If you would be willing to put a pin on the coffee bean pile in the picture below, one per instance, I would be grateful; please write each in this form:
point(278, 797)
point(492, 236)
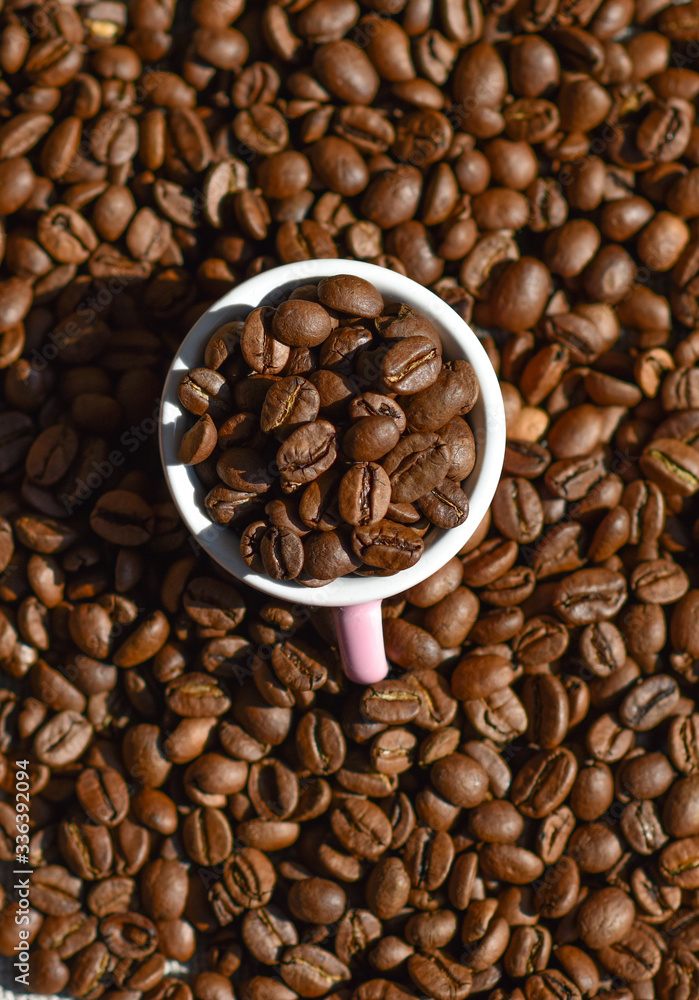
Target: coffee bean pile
point(514, 812)
point(374, 470)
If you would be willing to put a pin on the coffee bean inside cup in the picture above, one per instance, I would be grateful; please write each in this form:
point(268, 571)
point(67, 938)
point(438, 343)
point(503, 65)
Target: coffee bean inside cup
point(338, 425)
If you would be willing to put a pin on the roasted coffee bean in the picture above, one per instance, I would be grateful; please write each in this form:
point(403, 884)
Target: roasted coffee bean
point(129, 935)
point(648, 704)
point(546, 704)
point(517, 510)
point(196, 695)
point(646, 776)
point(446, 505)
point(479, 676)
point(388, 887)
point(281, 551)
point(249, 878)
point(261, 350)
point(328, 554)
point(642, 827)
point(57, 891)
point(543, 784)
point(595, 847)
point(551, 983)
point(122, 517)
point(203, 391)
point(62, 739)
point(407, 367)
point(387, 545)
point(370, 438)
point(557, 892)
point(682, 743)
point(306, 453)
point(364, 494)
point(542, 681)
point(300, 323)
point(460, 779)
point(362, 828)
point(47, 973)
point(199, 442)
point(589, 596)
point(317, 900)
point(87, 848)
point(310, 970)
point(320, 742)
point(636, 954)
point(416, 465)
point(437, 974)
point(669, 464)
point(605, 917)
point(289, 402)
point(348, 294)
point(103, 795)
point(163, 887)
point(509, 863)
point(207, 836)
point(390, 702)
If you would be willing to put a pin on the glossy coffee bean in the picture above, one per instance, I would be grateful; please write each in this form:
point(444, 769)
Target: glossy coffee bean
point(512, 811)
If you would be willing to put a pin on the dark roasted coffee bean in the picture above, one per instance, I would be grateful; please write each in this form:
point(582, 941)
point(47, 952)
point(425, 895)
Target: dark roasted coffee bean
point(362, 828)
point(535, 168)
point(370, 438)
point(440, 976)
point(682, 743)
point(320, 742)
point(446, 505)
point(306, 453)
point(417, 464)
point(249, 878)
point(364, 494)
point(199, 442)
point(311, 970)
point(454, 392)
point(510, 863)
point(281, 551)
point(543, 784)
point(329, 554)
point(642, 828)
point(589, 596)
point(122, 517)
point(460, 779)
point(62, 739)
point(648, 704)
point(351, 295)
point(301, 323)
point(289, 402)
point(207, 836)
point(261, 350)
point(387, 545)
point(204, 391)
point(410, 365)
point(546, 703)
point(103, 795)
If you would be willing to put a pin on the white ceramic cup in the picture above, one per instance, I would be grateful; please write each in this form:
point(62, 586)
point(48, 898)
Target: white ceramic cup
point(356, 600)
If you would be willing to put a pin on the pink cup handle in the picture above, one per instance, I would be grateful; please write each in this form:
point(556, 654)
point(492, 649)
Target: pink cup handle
point(360, 636)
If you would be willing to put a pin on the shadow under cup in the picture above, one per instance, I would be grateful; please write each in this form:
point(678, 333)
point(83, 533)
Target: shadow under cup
point(359, 631)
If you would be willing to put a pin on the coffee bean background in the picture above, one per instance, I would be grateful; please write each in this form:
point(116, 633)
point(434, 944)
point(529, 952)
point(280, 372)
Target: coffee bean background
point(514, 812)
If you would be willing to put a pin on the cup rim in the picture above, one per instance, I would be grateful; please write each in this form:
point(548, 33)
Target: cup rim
point(221, 542)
